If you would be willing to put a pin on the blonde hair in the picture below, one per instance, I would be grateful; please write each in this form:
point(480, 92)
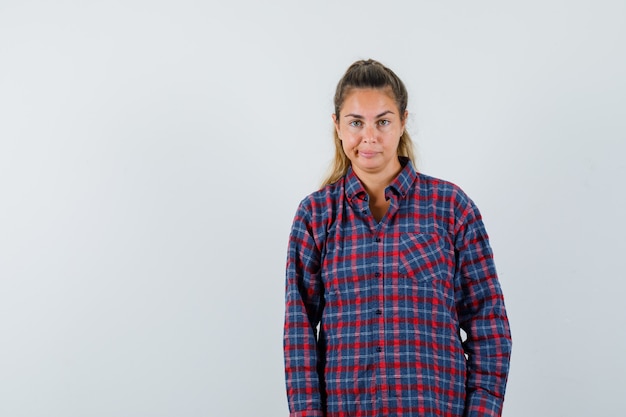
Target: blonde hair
point(367, 74)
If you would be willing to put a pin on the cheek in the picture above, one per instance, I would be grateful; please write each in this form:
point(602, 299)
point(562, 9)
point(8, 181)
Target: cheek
point(347, 145)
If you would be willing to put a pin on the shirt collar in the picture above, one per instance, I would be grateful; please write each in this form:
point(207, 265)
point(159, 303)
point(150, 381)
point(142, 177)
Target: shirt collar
point(405, 179)
point(400, 185)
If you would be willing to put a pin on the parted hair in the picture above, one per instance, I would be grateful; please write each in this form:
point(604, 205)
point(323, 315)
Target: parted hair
point(367, 74)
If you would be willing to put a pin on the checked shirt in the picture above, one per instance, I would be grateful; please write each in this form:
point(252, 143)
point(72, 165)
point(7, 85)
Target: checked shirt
point(374, 309)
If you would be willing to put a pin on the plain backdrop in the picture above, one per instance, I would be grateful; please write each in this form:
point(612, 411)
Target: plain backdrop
point(153, 153)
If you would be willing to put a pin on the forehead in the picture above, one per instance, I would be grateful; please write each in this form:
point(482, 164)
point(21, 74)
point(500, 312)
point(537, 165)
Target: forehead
point(374, 99)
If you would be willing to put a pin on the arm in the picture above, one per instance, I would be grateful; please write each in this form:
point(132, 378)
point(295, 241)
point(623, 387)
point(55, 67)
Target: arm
point(482, 315)
point(303, 307)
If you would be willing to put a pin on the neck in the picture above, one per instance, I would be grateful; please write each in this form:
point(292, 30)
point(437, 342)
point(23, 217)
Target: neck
point(375, 183)
point(375, 187)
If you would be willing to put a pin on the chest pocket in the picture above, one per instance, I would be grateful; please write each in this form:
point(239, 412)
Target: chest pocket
point(424, 256)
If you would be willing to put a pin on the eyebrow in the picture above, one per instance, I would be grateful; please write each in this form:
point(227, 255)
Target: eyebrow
point(358, 116)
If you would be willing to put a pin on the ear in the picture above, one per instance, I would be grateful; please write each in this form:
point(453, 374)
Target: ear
point(336, 123)
point(404, 119)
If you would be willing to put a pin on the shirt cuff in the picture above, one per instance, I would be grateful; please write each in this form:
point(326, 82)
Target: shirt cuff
point(481, 404)
point(307, 413)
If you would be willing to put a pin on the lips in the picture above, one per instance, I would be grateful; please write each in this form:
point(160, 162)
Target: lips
point(367, 154)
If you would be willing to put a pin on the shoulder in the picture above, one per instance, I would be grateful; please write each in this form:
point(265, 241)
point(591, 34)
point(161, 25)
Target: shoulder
point(441, 190)
point(447, 198)
point(317, 212)
point(323, 201)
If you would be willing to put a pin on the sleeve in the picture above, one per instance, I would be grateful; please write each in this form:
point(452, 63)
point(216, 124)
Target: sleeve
point(303, 308)
point(482, 315)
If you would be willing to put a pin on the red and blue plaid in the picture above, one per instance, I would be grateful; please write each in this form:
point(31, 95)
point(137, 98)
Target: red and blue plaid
point(374, 310)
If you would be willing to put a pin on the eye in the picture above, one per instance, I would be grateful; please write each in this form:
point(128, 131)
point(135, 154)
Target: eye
point(356, 123)
point(384, 122)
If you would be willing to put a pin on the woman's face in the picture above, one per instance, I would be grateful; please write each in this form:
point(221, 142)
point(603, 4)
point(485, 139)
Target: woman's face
point(369, 127)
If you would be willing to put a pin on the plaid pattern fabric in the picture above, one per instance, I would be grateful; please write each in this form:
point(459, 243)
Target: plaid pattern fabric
point(374, 309)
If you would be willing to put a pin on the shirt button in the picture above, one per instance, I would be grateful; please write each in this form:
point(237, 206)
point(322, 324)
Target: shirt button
point(379, 312)
point(379, 349)
point(378, 239)
point(377, 274)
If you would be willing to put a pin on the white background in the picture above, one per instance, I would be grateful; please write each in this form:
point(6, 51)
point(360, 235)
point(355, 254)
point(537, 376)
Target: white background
point(153, 153)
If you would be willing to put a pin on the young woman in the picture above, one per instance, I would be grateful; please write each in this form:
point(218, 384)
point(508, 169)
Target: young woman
point(385, 267)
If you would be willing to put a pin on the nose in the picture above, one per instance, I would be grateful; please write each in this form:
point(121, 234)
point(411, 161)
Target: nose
point(369, 134)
